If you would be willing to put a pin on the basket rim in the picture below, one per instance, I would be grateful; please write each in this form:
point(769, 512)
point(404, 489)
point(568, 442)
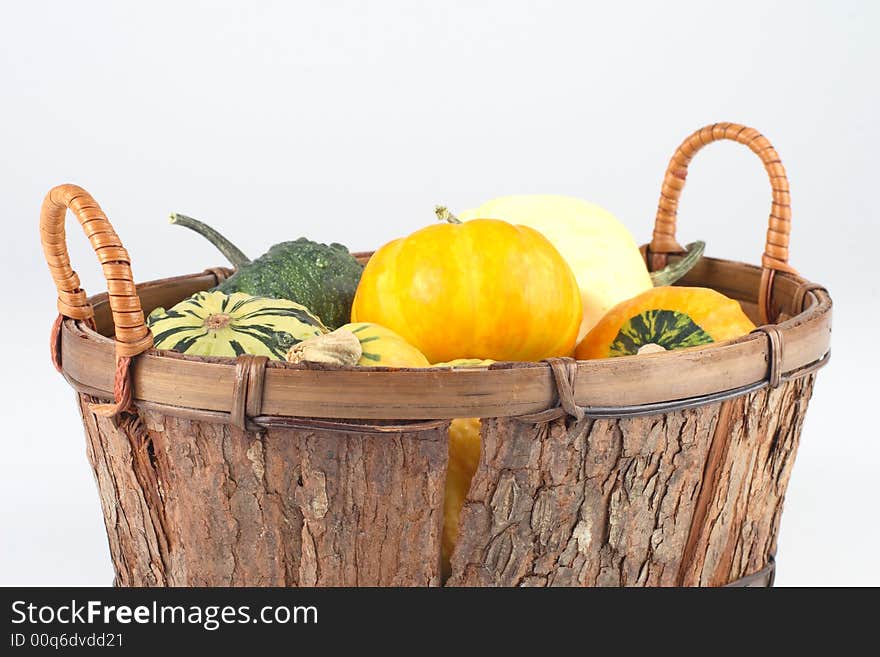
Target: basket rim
point(203, 386)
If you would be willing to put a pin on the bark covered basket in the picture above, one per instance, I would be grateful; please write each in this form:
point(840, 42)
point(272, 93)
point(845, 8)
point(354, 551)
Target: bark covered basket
point(660, 470)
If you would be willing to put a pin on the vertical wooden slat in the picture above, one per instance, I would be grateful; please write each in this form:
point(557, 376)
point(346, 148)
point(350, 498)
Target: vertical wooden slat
point(194, 503)
point(690, 497)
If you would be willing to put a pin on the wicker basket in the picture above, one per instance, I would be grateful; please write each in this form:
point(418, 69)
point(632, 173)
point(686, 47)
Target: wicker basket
point(657, 470)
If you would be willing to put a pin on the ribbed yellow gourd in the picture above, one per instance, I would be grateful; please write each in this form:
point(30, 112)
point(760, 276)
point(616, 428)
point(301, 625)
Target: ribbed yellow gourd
point(599, 249)
point(480, 289)
point(464, 457)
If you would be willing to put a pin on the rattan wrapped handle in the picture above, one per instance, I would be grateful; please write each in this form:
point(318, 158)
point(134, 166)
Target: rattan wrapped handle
point(775, 257)
point(132, 334)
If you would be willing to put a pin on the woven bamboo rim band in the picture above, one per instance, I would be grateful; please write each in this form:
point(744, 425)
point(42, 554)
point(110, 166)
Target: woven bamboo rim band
point(132, 335)
point(764, 578)
point(775, 256)
point(204, 388)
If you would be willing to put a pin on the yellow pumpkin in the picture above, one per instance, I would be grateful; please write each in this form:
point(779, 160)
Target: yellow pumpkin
point(464, 363)
point(663, 319)
point(600, 250)
point(382, 347)
point(481, 289)
point(464, 457)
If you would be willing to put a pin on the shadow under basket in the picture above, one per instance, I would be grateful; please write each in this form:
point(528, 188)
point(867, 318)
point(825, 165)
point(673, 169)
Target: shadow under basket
point(666, 469)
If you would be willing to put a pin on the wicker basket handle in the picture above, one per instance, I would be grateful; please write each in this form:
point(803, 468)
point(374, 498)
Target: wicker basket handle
point(775, 257)
point(132, 334)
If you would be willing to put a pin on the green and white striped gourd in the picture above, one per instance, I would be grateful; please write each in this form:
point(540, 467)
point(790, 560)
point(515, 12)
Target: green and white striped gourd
point(218, 324)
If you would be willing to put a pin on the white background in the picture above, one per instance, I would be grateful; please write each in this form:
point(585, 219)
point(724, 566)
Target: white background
point(348, 121)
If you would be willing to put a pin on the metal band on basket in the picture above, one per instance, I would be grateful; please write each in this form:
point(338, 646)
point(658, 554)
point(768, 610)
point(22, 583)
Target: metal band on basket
point(247, 398)
point(774, 353)
point(565, 371)
point(764, 578)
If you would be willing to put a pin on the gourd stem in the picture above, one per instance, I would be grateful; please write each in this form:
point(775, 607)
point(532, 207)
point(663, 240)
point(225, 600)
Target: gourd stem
point(233, 254)
point(674, 271)
point(443, 214)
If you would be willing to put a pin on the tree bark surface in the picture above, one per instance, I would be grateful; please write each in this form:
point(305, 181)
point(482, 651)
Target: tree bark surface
point(192, 503)
point(689, 497)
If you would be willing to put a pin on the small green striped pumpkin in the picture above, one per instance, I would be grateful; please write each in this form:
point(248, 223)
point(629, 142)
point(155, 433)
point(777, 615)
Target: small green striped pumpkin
point(663, 319)
point(218, 324)
point(668, 329)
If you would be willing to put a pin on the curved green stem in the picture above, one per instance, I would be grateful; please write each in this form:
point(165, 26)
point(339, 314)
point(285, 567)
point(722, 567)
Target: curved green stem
point(443, 214)
point(674, 271)
point(233, 253)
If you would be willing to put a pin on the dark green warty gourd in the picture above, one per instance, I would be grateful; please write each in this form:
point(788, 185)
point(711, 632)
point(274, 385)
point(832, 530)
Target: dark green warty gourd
point(321, 277)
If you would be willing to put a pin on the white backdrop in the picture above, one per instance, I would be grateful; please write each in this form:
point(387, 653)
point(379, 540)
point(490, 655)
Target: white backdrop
point(348, 121)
